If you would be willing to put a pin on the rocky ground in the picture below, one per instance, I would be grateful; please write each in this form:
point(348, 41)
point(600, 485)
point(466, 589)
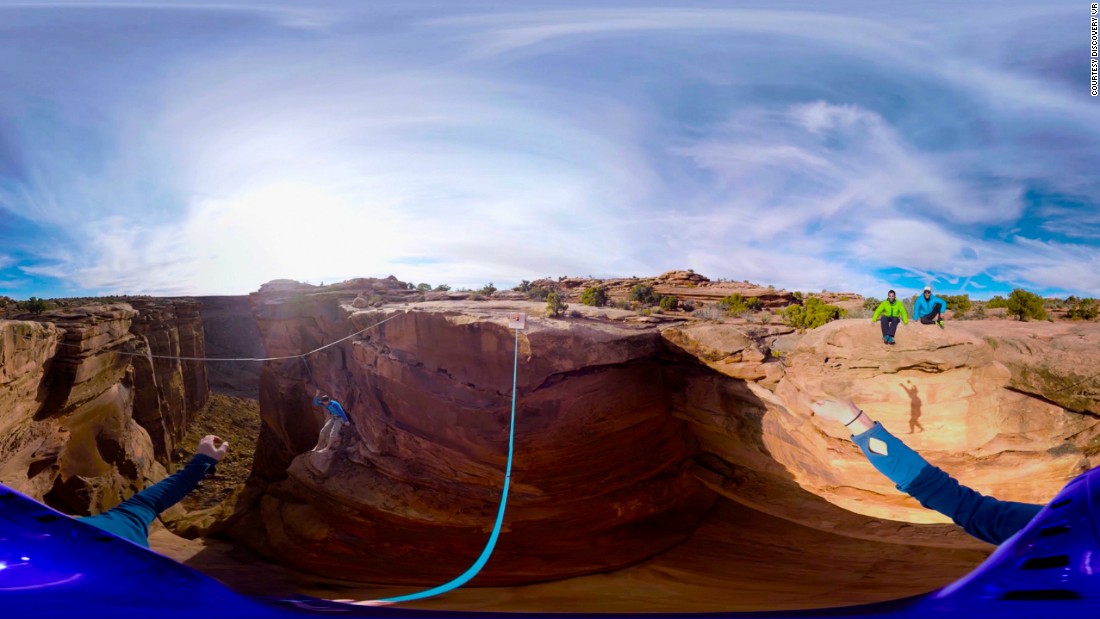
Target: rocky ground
point(237, 420)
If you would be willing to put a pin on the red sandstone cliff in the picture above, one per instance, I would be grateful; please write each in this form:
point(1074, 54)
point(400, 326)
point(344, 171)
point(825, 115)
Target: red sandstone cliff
point(628, 432)
point(88, 418)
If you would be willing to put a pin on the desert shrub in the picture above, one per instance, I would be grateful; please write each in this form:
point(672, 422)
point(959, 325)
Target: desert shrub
point(442, 288)
point(996, 301)
point(979, 314)
point(554, 305)
point(33, 305)
point(644, 311)
point(575, 314)
point(523, 286)
point(1026, 305)
point(734, 304)
point(594, 296)
point(959, 303)
point(669, 303)
point(424, 287)
point(811, 315)
point(871, 304)
point(754, 304)
point(538, 293)
point(488, 289)
point(1081, 309)
point(644, 294)
point(710, 311)
point(766, 318)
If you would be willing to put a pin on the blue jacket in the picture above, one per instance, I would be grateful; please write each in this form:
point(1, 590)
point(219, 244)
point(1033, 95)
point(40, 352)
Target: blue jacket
point(334, 409)
point(986, 518)
point(923, 308)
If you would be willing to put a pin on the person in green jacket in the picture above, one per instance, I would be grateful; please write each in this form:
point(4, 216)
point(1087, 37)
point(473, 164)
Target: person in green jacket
point(892, 312)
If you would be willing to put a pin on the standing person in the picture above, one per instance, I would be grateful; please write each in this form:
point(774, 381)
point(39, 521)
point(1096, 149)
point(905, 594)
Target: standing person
point(929, 309)
point(336, 420)
point(986, 518)
point(130, 519)
point(892, 312)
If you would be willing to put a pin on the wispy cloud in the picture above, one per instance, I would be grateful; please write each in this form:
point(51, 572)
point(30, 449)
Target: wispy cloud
point(220, 145)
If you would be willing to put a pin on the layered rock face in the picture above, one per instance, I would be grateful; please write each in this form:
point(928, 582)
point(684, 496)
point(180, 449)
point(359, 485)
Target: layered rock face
point(601, 475)
point(627, 434)
point(169, 390)
point(963, 397)
point(93, 417)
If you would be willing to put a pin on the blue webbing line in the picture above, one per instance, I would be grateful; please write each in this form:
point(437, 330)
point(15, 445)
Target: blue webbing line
point(480, 563)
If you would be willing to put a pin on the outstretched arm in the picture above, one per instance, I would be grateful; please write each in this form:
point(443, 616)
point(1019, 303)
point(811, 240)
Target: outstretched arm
point(985, 518)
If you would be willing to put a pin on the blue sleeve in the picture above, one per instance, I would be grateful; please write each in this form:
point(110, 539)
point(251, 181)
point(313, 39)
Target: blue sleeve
point(317, 401)
point(985, 518)
point(943, 304)
point(901, 465)
point(170, 490)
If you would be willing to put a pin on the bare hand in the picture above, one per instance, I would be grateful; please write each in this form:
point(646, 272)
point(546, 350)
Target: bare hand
point(213, 446)
point(836, 410)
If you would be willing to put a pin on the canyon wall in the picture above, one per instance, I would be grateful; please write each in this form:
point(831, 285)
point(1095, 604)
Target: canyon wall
point(628, 431)
point(89, 417)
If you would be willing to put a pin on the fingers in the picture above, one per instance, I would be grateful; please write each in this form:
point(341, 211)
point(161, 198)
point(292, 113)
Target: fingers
point(223, 448)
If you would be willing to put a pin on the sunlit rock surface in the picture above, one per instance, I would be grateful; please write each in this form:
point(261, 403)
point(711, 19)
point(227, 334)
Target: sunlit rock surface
point(92, 417)
point(632, 435)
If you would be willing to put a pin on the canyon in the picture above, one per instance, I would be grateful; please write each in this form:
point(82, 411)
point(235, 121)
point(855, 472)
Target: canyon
point(661, 462)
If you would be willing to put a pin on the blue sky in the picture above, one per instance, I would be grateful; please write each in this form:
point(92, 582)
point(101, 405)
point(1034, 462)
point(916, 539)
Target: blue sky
point(205, 148)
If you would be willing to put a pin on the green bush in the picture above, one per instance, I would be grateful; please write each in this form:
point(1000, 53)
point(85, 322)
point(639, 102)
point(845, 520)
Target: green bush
point(996, 301)
point(734, 305)
point(594, 296)
point(754, 304)
point(871, 304)
point(424, 287)
point(538, 293)
point(979, 314)
point(33, 305)
point(959, 303)
point(1025, 305)
point(523, 286)
point(488, 289)
point(442, 288)
point(669, 303)
point(554, 305)
point(811, 315)
point(1081, 309)
point(644, 294)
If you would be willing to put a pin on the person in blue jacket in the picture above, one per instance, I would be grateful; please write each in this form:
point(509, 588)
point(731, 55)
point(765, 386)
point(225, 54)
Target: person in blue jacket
point(986, 518)
point(131, 519)
point(928, 308)
point(337, 417)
